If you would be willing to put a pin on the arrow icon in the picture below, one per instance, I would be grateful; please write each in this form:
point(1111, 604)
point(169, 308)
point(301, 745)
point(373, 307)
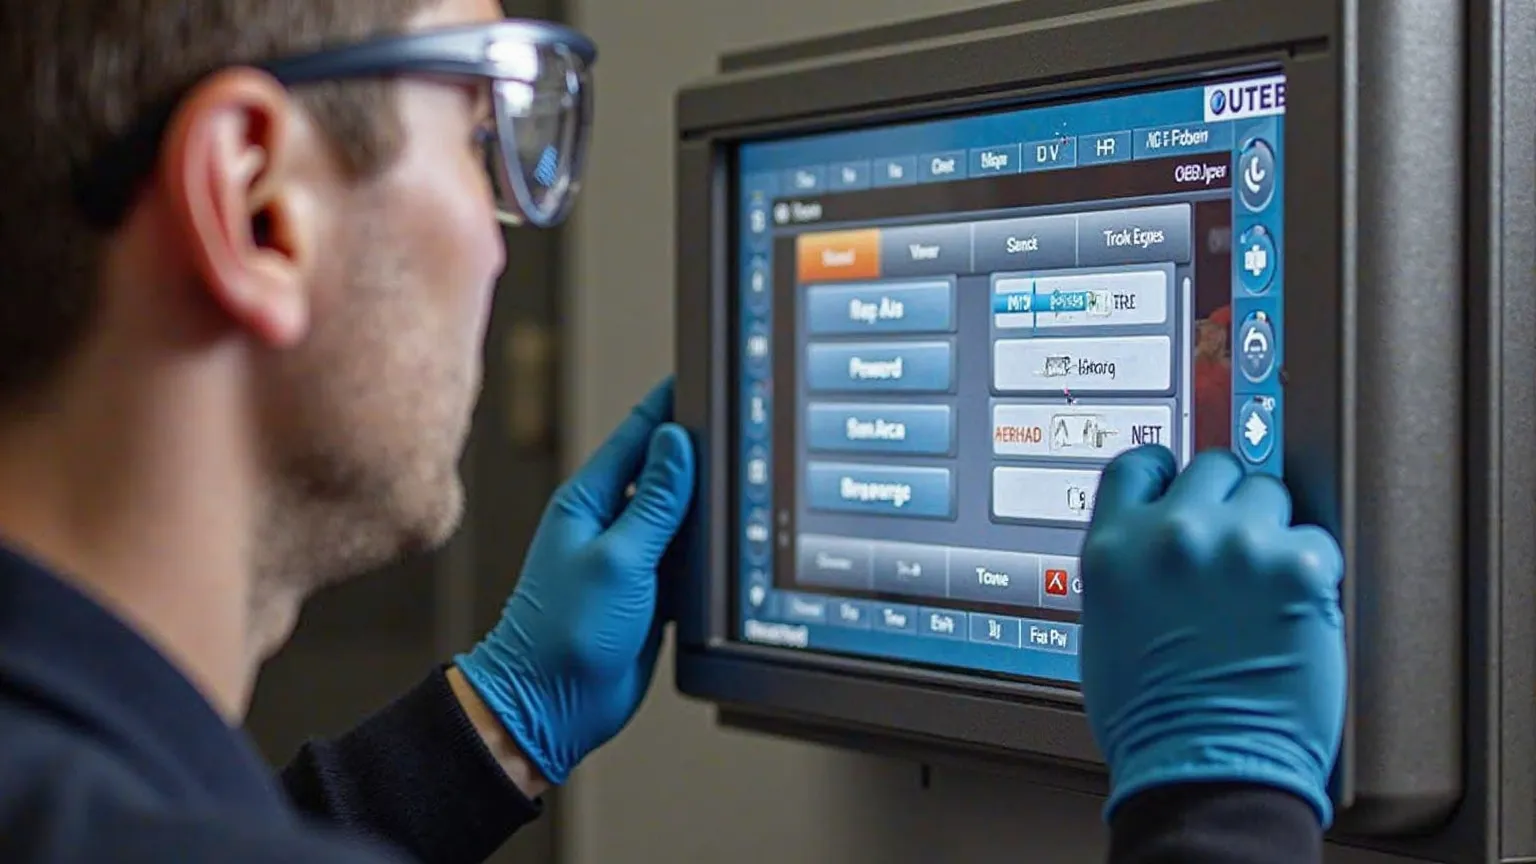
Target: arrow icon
point(1255, 430)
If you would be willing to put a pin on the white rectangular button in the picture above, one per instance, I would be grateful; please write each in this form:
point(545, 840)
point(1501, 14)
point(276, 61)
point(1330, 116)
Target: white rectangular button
point(1078, 431)
point(1044, 494)
point(1133, 364)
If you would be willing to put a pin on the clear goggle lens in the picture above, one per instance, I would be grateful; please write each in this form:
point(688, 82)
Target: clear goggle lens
point(543, 110)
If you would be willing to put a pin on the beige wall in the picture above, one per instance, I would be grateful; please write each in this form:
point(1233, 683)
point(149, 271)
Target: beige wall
point(674, 790)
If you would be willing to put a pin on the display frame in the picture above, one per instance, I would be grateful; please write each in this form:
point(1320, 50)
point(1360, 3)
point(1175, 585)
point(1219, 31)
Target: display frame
point(1334, 383)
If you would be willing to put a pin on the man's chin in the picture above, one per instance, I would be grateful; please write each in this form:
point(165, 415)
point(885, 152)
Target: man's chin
point(435, 530)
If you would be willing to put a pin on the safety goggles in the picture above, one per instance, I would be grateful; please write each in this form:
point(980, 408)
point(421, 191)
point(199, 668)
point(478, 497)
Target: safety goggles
point(540, 95)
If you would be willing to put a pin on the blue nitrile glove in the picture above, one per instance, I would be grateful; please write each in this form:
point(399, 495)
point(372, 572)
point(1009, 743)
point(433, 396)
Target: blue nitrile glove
point(572, 657)
point(1212, 640)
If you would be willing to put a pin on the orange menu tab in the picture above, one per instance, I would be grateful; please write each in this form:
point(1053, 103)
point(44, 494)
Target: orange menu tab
point(838, 255)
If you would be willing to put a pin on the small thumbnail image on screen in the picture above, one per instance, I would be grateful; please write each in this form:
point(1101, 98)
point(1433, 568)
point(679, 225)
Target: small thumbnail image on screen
point(1211, 360)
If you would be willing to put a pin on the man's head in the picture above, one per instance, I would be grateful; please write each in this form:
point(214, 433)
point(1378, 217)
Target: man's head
point(303, 275)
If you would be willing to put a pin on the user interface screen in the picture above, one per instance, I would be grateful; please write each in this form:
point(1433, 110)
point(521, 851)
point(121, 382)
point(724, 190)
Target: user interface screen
point(948, 328)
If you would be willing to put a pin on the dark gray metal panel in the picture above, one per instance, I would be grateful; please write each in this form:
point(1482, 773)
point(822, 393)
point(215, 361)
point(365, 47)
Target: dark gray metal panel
point(916, 30)
point(1041, 52)
point(1511, 275)
point(1402, 419)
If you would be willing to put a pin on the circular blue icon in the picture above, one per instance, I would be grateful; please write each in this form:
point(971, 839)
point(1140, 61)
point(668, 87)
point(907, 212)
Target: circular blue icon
point(1255, 430)
point(758, 289)
point(757, 587)
point(757, 474)
point(757, 595)
point(758, 533)
point(1256, 175)
point(757, 346)
point(1255, 259)
point(1256, 347)
point(755, 410)
point(1218, 101)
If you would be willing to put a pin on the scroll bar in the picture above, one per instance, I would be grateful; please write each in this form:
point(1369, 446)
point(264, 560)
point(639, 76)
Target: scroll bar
point(1186, 390)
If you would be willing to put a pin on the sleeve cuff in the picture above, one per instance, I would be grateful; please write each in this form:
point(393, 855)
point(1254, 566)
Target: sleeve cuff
point(417, 775)
point(1197, 822)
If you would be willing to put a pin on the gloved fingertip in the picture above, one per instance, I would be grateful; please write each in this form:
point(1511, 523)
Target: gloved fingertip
point(657, 404)
point(672, 450)
point(1154, 458)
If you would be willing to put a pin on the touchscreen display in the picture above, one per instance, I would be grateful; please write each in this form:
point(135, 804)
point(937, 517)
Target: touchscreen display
point(947, 328)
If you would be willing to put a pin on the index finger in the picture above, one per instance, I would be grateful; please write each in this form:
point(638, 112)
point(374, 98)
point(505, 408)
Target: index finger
point(1135, 477)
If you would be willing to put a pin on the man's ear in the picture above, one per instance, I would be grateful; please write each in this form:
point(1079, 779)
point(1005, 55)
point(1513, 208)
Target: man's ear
point(227, 173)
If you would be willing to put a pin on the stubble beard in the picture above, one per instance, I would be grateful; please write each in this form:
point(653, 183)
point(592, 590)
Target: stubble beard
point(369, 430)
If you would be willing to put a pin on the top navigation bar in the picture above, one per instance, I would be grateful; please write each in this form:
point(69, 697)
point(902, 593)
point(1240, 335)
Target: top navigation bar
point(1102, 148)
point(1124, 236)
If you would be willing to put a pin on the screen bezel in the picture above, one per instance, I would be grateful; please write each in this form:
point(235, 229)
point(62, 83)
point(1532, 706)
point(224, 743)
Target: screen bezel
point(723, 634)
point(1338, 192)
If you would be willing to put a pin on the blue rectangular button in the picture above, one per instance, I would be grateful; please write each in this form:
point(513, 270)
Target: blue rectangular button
point(802, 181)
point(851, 614)
point(943, 624)
point(1051, 154)
point(881, 307)
point(848, 176)
point(995, 630)
point(995, 160)
point(880, 367)
point(926, 430)
point(894, 618)
point(1104, 148)
point(939, 167)
point(900, 171)
point(881, 490)
point(1183, 139)
point(803, 608)
point(1052, 636)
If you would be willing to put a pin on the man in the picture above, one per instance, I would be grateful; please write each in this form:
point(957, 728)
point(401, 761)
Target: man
point(250, 249)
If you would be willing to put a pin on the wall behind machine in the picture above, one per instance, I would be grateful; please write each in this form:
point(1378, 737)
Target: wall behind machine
point(673, 787)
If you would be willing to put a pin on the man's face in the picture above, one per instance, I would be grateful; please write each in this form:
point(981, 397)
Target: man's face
point(369, 413)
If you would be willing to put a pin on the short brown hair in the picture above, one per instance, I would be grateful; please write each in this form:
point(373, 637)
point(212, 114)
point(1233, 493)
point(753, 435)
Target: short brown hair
point(75, 75)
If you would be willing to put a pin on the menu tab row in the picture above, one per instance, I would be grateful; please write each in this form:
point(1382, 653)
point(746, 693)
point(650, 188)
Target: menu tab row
point(941, 572)
point(1124, 236)
point(1056, 637)
point(1069, 151)
point(976, 627)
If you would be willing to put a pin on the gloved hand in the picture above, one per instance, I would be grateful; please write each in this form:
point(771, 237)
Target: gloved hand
point(1212, 640)
point(570, 660)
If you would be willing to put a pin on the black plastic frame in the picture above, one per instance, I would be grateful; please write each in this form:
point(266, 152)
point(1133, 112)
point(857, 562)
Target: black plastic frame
point(1375, 164)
